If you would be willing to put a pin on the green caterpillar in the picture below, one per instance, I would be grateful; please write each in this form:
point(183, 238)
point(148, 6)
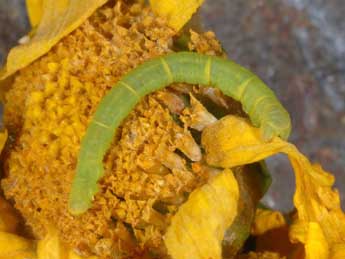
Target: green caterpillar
point(258, 101)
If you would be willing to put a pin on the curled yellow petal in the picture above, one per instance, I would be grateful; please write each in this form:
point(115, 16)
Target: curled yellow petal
point(197, 229)
point(266, 220)
point(316, 245)
point(26, 254)
point(35, 10)
point(59, 18)
point(312, 236)
point(177, 12)
point(51, 247)
point(233, 141)
point(11, 244)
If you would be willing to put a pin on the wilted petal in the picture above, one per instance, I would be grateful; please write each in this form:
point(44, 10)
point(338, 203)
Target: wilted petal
point(197, 229)
point(51, 247)
point(312, 236)
point(266, 220)
point(178, 12)
point(12, 244)
point(35, 11)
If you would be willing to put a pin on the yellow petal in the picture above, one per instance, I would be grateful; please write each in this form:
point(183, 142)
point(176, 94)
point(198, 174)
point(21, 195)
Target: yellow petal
point(35, 11)
point(233, 141)
point(51, 247)
point(316, 245)
point(59, 18)
point(11, 244)
point(177, 12)
point(26, 254)
point(312, 236)
point(266, 220)
point(198, 227)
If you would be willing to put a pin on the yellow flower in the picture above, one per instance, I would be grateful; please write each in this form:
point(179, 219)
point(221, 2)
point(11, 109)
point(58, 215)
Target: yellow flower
point(197, 228)
point(35, 11)
point(13, 246)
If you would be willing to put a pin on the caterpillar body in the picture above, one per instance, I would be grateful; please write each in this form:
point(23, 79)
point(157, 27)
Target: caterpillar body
point(258, 101)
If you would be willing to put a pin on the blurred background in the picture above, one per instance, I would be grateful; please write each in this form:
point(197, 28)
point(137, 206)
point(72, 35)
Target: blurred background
point(296, 46)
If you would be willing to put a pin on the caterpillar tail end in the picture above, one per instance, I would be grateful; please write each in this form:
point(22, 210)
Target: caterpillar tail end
point(78, 206)
point(267, 133)
point(79, 202)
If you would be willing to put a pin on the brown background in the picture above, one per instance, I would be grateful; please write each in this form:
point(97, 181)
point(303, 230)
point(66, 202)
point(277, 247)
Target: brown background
point(296, 46)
